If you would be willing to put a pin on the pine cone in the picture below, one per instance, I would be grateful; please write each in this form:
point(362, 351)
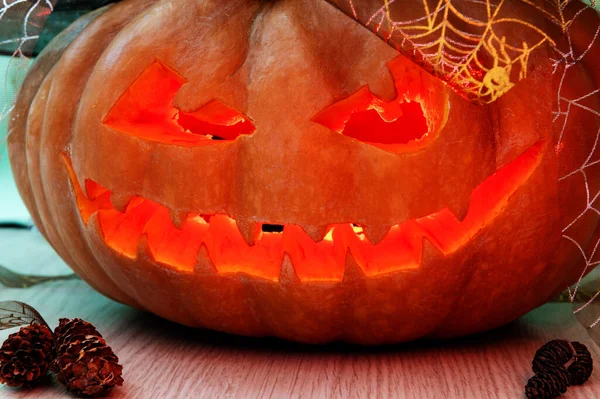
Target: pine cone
point(26, 355)
point(581, 369)
point(548, 383)
point(557, 351)
point(86, 365)
point(560, 352)
point(70, 329)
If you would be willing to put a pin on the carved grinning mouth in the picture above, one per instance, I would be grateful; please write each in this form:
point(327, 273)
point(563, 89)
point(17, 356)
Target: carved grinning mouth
point(400, 249)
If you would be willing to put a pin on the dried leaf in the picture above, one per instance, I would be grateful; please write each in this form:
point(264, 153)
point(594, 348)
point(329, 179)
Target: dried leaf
point(588, 314)
point(585, 295)
point(11, 279)
point(15, 314)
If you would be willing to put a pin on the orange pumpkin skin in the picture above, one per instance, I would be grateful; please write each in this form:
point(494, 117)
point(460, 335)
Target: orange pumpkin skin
point(79, 157)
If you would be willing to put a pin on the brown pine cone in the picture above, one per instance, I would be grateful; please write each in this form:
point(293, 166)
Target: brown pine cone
point(557, 351)
point(574, 355)
point(581, 369)
point(69, 329)
point(86, 365)
point(548, 383)
point(26, 355)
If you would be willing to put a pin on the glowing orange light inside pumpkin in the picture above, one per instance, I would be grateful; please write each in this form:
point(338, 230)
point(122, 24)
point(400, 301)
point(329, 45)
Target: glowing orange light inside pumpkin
point(402, 125)
point(146, 110)
point(369, 126)
point(384, 124)
point(313, 261)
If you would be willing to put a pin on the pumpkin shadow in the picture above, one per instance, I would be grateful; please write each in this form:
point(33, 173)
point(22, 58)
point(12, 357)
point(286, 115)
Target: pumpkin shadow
point(220, 362)
point(172, 333)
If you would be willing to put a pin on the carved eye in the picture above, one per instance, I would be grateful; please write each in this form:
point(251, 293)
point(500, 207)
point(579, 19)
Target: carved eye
point(394, 125)
point(146, 110)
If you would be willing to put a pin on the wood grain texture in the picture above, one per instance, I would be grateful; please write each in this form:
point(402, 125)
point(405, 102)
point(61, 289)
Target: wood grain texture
point(165, 360)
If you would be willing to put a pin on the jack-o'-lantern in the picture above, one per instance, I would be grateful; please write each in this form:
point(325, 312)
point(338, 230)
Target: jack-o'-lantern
point(274, 168)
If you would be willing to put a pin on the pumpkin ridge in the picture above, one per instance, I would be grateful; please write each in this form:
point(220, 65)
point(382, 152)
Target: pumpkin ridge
point(93, 42)
point(17, 125)
point(33, 133)
point(73, 63)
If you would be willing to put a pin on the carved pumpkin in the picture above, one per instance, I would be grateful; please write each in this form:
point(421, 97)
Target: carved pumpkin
point(274, 168)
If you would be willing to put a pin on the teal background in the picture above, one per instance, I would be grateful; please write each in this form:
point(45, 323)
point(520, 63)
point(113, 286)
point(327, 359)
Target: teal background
point(12, 209)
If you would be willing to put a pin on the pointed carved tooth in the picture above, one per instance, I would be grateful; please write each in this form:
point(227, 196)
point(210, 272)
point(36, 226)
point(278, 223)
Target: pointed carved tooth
point(352, 271)
point(248, 229)
point(430, 253)
point(120, 201)
point(288, 274)
point(460, 208)
point(143, 249)
point(375, 234)
point(93, 225)
point(316, 233)
point(178, 218)
point(204, 264)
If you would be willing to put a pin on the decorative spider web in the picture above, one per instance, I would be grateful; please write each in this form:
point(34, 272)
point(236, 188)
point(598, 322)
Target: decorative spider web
point(464, 42)
point(585, 304)
point(21, 22)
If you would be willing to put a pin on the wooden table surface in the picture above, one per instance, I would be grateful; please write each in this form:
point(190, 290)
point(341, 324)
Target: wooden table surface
point(165, 360)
